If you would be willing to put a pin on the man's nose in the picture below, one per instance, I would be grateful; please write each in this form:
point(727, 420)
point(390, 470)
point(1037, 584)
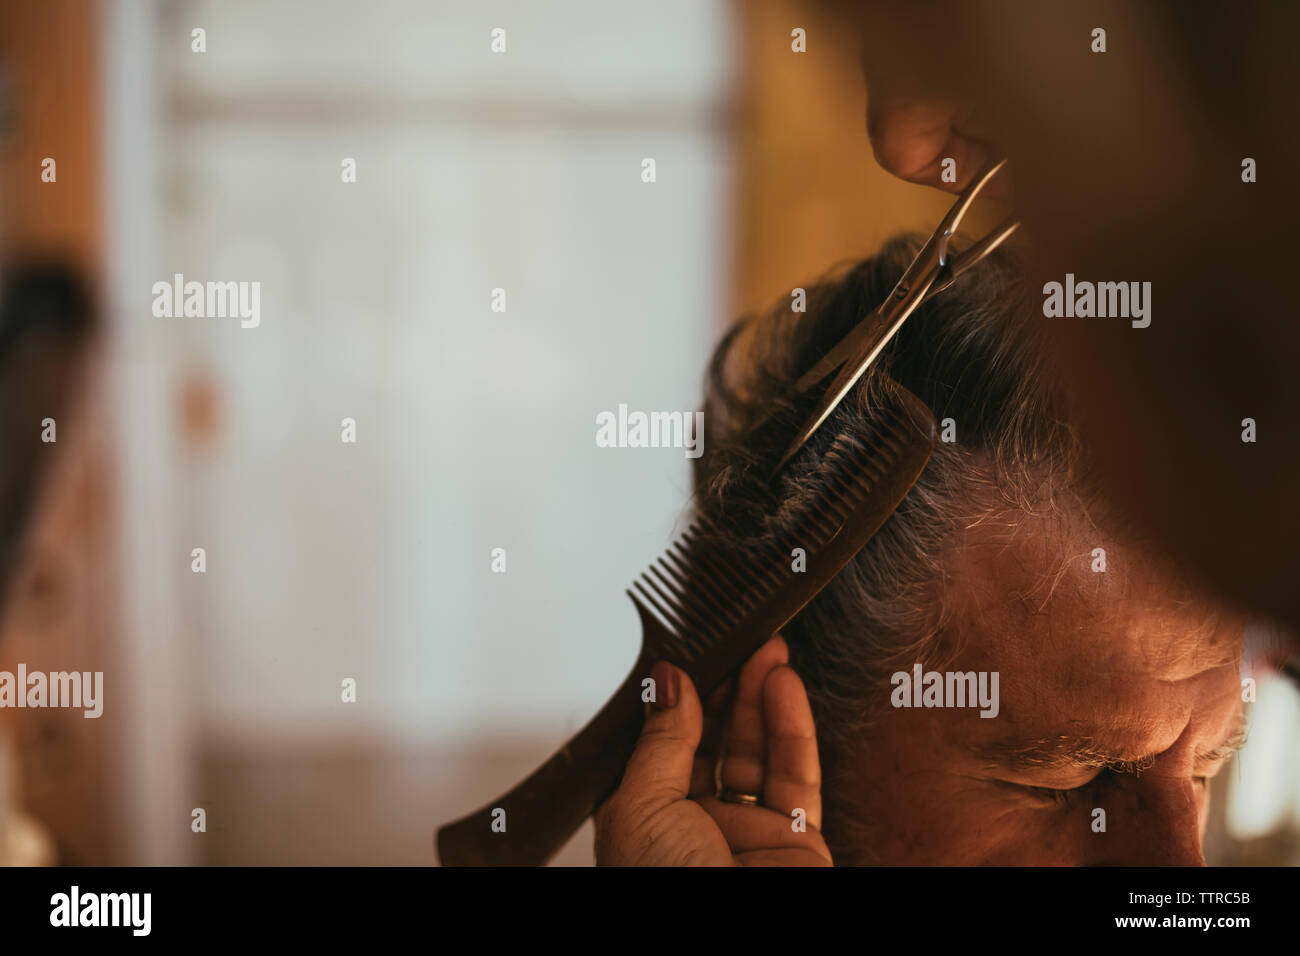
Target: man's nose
point(1153, 820)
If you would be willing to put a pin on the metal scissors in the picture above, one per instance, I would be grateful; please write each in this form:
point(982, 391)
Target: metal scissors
point(932, 271)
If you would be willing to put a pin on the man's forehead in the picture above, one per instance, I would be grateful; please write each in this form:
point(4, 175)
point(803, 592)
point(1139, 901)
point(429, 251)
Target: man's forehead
point(1103, 658)
point(1048, 594)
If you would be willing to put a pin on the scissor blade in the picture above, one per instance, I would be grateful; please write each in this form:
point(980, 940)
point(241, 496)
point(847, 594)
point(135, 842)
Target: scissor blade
point(971, 255)
point(843, 350)
point(868, 340)
point(834, 394)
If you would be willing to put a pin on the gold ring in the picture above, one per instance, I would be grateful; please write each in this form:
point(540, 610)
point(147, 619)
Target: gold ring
point(744, 799)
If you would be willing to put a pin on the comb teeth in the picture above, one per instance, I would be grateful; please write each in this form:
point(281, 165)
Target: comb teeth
point(701, 590)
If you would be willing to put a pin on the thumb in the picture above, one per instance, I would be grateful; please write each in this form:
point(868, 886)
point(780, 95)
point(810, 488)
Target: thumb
point(659, 772)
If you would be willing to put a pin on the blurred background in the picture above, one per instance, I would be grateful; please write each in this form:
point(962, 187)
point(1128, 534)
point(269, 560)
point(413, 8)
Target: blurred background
point(372, 560)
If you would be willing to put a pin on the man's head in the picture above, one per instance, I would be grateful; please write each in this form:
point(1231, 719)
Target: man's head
point(1117, 683)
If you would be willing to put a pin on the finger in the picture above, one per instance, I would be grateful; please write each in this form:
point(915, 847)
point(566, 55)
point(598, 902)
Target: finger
point(743, 746)
point(913, 137)
point(704, 772)
point(659, 771)
point(794, 778)
point(802, 856)
point(759, 829)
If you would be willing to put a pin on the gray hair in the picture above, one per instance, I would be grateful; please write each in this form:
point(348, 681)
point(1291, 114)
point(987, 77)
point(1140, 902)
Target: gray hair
point(971, 354)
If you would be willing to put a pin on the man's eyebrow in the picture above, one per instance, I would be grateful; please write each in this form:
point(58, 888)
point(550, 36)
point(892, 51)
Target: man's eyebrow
point(1230, 745)
point(1061, 750)
point(1066, 750)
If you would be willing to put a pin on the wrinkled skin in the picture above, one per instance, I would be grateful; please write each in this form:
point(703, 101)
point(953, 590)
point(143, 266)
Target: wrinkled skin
point(1127, 665)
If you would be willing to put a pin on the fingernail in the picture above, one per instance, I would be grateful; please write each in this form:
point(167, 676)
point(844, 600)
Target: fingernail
point(666, 685)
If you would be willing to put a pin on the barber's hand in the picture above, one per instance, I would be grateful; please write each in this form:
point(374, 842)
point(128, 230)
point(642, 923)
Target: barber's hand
point(665, 813)
point(913, 133)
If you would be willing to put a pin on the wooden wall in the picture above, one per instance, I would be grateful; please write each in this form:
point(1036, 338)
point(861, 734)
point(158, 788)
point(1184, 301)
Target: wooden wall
point(809, 192)
point(56, 616)
point(49, 54)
